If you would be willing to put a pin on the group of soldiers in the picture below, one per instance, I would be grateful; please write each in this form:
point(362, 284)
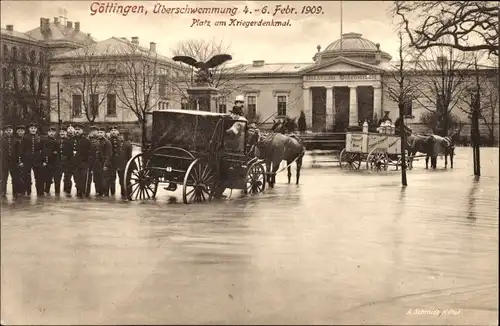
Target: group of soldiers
point(70, 157)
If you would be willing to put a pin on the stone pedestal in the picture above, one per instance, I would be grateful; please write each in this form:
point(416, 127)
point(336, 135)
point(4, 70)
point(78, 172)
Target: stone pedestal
point(203, 98)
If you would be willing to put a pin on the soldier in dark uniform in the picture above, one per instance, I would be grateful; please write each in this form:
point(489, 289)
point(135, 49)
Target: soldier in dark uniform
point(120, 154)
point(78, 153)
point(101, 167)
point(32, 158)
point(21, 186)
point(10, 161)
point(53, 155)
point(94, 157)
point(68, 154)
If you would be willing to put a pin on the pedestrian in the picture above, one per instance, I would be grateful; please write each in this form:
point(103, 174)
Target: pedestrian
point(120, 155)
point(53, 169)
point(10, 161)
point(103, 163)
point(68, 156)
point(20, 133)
point(32, 158)
point(79, 161)
point(95, 164)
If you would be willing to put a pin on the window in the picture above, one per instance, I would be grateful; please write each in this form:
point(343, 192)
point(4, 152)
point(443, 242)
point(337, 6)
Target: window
point(184, 104)
point(24, 57)
point(42, 58)
point(94, 104)
point(32, 80)
point(77, 105)
point(111, 105)
point(6, 76)
point(408, 108)
point(14, 53)
point(24, 79)
point(5, 51)
point(222, 105)
point(162, 86)
point(33, 56)
point(252, 107)
point(282, 105)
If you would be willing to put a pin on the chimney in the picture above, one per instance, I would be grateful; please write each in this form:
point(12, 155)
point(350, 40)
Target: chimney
point(10, 28)
point(77, 26)
point(123, 38)
point(42, 23)
point(135, 40)
point(378, 56)
point(152, 46)
point(258, 63)
point(56, 21)
point(69, 24)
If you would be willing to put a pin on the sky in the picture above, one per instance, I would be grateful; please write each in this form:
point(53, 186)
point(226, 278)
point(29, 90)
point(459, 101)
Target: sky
point(295, 43)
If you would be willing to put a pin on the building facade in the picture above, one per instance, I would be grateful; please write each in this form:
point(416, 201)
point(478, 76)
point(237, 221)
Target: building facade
point(26, 69)
point(345, 84)
point(112, 82)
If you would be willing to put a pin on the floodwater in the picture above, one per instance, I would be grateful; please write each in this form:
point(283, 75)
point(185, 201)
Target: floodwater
point(343, 247)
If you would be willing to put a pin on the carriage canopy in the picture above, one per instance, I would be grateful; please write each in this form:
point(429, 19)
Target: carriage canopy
point(191, 130)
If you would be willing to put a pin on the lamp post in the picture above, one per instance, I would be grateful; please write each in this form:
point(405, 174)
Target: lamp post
point(475, 136)
point(58, 108)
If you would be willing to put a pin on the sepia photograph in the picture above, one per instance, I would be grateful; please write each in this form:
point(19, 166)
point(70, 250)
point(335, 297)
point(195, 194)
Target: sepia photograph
point(249, 162)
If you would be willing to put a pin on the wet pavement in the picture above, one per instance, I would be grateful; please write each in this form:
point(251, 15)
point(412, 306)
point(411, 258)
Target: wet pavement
point(343, 247)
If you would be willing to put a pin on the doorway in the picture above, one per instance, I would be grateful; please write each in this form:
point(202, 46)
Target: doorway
point(318, 108)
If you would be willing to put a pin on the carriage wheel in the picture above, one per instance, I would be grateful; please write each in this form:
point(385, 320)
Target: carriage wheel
point(140, 180)
point(199, 182)
point(349, 161)
point(255, 179)
point(377, 160)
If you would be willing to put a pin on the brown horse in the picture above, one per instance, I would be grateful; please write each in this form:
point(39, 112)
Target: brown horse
point(275, 147)
point(431, 146)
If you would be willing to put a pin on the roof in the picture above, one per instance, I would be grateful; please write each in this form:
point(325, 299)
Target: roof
point(275, 68)
point(60, 32)
point(18, 35)
point(352, 42)
point(111, 47)
point(426, 65)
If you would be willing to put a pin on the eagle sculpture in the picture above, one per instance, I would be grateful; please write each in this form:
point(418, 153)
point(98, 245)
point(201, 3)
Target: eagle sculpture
point(204, 76)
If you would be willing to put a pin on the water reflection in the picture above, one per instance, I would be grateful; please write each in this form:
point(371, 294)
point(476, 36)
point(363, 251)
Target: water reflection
point(471, 202)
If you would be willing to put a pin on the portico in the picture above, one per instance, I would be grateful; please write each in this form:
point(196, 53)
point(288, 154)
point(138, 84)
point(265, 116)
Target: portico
point(329, 97)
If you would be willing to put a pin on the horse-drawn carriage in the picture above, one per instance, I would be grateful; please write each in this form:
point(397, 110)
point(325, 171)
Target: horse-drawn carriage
point(377, 150)
point(192, 149)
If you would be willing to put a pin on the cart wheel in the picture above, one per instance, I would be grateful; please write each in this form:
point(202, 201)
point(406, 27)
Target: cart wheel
point(377, 160)
point(140, 180)
point(255, 179)
point(199, 182)
point(349, 160)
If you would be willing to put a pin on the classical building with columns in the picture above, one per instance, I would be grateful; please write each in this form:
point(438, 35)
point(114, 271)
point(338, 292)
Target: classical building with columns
point(344, 85)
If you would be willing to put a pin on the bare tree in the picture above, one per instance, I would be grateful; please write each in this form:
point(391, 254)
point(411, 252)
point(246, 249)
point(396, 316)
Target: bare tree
point(90, 75)
point(400, 83)
point(225, 77)
point(137, 82)
point(401, 88)
point(442, 86)
point(25, 91)
point(450, 23)
point(486, 84)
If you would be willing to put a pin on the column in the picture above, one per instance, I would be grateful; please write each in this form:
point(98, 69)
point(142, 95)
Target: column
point(377, 101)
point(329, 108)
point(353, 106)
point(306, 107)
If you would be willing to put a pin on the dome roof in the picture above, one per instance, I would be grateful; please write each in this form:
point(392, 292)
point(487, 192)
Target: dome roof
point(352, 42)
